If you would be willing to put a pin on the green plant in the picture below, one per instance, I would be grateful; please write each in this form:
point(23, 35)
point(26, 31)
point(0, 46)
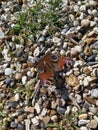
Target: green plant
point(34, 19)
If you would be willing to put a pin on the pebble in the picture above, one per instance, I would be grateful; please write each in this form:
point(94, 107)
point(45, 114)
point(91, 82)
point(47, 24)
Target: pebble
point(20, 126)
point(24, 79)
point(60, 110)
point(8, 81)
point(37, 107)
point(92, 124)
point(13, 124)
point(54, 118)
point(45, 119)
point(78, 98)
point(44, 111)
point(91, 58)
point(83, 8)
point(83, 116)
point(2, 35)
point(83, 128)
point(92, 3)
point(72, 80)
point(94, 93)
point(36, 52)
point(65, 45)
point(18, 76)
point(62, 52)
point(93, 110)
point(35, 120)
point(29, 109)
point(8, 71)
point(83, 122)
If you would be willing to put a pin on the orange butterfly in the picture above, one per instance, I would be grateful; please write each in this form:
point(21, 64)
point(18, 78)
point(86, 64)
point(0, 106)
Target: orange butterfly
point(51, 64)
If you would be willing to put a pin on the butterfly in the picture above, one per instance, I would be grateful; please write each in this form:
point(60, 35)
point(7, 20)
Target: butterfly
point(50, 65)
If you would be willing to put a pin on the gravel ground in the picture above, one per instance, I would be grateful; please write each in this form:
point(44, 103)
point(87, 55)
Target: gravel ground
point(30, 29)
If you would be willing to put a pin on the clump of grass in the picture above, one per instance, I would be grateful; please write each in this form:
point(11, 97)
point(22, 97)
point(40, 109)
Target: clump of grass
point(34, 19)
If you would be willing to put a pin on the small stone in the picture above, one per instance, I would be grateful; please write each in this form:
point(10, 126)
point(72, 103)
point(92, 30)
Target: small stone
point(86, 70)
point(53, 105)
point(91, 58)
point(37, 107)
point(60, 110)
point(20, 126)
point(36, 52)
point(76, 8)
point(93, 110)
point(72, 80)
point(35, 120)
point(20, 52)
point(8, 81)
point(24, 79)
point(46, 119)
point(85, 22)
point(29, 109)
point(17, 97)
point(65, 45)
point(90, 40)
point(78, 98)
point(74, 52)
point(53, 112)
point(56, 40)
point(13, 124)
point(83, 116)
point(83, 8)
point(83, 122)
point(89, 99)
point(18, 76)
point(92, 124)
point(43, 90)
point(94, 93)
point(8, 71)
point(2, 35)
point(83, 128)
point(62, 52)
point(41, 39)
point(93, 3)
point(54, 118)
point(85, 81)
point(87, 51)
point(44, 111)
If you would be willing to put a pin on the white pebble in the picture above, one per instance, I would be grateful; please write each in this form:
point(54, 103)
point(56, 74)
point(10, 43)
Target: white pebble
point(83, 128)
point(76, 8)
point(37, 108)
point(82, 8)
point(83, 122)
point(17, 97)
point(92, 3)
point(94, 93)
point(62, 52)
point(36, 51)
point(64, 45)
point(35, 120)
point(24, 79)
point(8, 71)
point(85, 22)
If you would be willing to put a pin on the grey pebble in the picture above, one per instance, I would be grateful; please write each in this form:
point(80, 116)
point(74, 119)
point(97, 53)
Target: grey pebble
point(13, 124)
point(91, 58)
point(60, 110)
point(94, 93)
point(21, 126)
point(8, 81)
point(8, 71)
